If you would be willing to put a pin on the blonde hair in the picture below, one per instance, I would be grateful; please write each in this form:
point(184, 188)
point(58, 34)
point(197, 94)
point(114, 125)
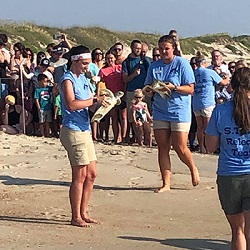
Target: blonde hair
point(138, 92)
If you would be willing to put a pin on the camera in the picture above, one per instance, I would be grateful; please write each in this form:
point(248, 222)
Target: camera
point(58, 36)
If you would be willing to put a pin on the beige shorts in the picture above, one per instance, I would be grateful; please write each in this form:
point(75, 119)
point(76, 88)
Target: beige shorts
point(173, 126)
point(79, 146)
point(206, 112)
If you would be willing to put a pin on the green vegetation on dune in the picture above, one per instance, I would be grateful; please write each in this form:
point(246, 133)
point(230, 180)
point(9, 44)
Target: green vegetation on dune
point(37, 37)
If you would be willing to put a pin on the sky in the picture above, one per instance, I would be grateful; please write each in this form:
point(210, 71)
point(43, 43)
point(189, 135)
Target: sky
point(189, 17)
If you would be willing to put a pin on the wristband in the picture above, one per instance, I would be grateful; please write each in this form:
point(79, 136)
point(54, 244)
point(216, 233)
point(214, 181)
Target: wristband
point(175, 88)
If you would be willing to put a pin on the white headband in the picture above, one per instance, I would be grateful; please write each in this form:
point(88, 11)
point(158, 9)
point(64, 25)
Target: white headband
point(81, 56)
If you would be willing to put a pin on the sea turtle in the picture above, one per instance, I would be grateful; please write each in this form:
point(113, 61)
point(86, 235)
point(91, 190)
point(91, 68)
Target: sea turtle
point(156, 86)
point(113, 99)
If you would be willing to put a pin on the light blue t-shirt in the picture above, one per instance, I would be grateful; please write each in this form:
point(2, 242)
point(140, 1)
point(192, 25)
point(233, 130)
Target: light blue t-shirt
point(94, 72)
point(131, 64)
point(177, 107)
point(204, 89)
point(78, 119)
point(234, 156)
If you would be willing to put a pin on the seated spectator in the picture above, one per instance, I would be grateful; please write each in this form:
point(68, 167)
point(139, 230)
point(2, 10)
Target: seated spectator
point(13, 117)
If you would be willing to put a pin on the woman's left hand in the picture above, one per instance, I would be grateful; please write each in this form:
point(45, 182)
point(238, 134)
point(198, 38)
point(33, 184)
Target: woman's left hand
point(169, 85)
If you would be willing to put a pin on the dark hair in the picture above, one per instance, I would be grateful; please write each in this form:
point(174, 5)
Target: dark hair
point(118, 43)
point(31, 52)
point(41, 77)
point(4, 38)
point(93, 53)
point(193, 60)
point(133, 43)
point(168, 39)
point(241, 84)
point(171, 32)
point(21, 47)
point(38, 57)
point(80, 49)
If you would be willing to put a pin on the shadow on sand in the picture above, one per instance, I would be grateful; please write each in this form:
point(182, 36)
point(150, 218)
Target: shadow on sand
point(182, 243)
point(9, 180)
point(34, 220)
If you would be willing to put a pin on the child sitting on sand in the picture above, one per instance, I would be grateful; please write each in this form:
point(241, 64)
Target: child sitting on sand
point(141, 119)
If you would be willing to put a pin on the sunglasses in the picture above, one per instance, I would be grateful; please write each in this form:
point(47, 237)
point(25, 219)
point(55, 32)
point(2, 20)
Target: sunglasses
point(157, 55)
point(232, 67)
point(117, 49)
point(98, 53)
point(139, 97)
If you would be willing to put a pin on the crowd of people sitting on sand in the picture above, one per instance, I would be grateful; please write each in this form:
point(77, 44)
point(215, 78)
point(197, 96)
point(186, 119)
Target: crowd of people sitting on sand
point(30, 98)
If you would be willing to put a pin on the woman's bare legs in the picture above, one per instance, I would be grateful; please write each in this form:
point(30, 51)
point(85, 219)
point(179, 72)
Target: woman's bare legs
point(179, 142)
point(237, 224)
point(201, 126)
point(115, 124)
point(87, 190)
point(147, 134)
point(75, 195)
point(162, 137)
point(247, 228)
point(123, 121)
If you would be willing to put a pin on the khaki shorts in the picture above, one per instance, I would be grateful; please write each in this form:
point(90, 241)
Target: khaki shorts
point(79, 146)
point(206, 112)
point(173, 126)
point(234, 193)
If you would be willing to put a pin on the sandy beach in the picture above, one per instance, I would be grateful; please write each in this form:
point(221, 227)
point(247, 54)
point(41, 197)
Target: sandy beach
point(35, 211)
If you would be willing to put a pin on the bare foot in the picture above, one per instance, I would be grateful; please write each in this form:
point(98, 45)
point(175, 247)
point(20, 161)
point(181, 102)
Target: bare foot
point(195, 177)
point(90, 220)
point(80, 223)
point(163, 189)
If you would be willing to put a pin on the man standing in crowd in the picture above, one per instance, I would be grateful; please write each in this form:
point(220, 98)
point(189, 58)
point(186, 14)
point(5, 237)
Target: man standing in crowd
point(134, 70)
point(117, 51)
point(217, 63)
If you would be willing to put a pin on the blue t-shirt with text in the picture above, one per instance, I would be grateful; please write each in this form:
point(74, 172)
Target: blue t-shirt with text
point(204, 90)
point(177, 107)
point(234, 158)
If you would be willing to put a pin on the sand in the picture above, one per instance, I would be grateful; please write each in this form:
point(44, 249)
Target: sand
point(35, 212)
